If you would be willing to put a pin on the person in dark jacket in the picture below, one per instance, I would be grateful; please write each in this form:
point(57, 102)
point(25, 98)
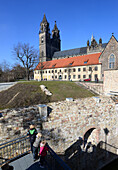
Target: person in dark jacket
point(32, 135)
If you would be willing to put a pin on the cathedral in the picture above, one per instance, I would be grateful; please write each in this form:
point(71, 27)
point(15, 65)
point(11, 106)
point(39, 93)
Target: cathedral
point(77, 64)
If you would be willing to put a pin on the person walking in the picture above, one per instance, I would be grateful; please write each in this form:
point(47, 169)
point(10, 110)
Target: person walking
point(36, 145)
point(32, 132)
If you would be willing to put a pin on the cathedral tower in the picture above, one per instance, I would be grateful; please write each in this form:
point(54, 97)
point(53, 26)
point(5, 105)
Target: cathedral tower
point(44, 40)
point(48, 45)
point(55, 39)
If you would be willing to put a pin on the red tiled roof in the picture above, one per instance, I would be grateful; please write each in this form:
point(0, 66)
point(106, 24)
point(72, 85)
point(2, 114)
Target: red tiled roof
point(90, 59)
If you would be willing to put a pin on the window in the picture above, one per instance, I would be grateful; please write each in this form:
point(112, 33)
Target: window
point(46, 72)
point(90, 69)
point(74, 76)
point(85, 62)
point(69, 77)
point(65, 70)
point(96, 68)
point(89, 76)
point(74, 70)
point(79, 69)
point(52, 77)
point(84, 69)
point(111, 61)
point(65, 76)
point(71, 63)
point(52, 71)
point(49, 71)
point(42, 39)
point(79, 76)
point(60, 70)
point(55, 71)
point(69, 70)
point(96, 76)
point(84, 76)
point(55, 77)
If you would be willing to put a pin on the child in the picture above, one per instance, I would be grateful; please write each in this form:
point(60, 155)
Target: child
point(32, 135)
point(36, 145)
point(43, 153)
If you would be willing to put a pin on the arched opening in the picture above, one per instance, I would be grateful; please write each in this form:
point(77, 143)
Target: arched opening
point(90, 138)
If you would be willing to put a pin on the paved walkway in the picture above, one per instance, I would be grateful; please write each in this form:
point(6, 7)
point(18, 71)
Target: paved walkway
point(5, 86)
point(26, 163)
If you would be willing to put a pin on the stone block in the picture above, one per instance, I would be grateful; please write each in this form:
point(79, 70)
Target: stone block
point(43, 111)
point(97, 99)
point(116, 106)
point(69, 99)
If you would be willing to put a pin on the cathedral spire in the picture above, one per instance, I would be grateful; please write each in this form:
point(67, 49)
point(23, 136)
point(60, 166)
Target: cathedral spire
point(55, 27)
point(44, 19)
point(55, 31)
point(44, 25)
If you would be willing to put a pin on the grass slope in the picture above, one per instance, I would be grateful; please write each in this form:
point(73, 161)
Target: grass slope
point(29, 93)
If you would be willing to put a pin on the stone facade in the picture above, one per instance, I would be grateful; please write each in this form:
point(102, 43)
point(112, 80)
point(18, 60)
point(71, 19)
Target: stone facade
point(111, 50)
point(67, 121)
point(111, 82)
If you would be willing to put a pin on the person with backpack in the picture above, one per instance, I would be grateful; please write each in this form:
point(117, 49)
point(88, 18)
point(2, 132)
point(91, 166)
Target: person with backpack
point(32, 132)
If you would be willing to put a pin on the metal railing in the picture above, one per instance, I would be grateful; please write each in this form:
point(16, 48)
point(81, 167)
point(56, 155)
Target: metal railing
point(13, 149)
point(56, 162)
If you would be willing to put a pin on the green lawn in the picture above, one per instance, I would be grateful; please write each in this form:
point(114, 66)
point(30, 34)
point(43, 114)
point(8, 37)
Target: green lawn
point(29, 93)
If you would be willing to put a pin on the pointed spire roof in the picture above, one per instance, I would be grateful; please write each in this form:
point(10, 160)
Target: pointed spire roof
point(92, 37)
point(44, 19)
point(55, 26)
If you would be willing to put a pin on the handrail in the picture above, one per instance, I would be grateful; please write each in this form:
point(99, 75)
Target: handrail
point(13, 140)
point(13, 149)
point(58, 159)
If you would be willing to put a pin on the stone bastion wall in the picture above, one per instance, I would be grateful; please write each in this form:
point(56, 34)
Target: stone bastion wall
point(66, 123)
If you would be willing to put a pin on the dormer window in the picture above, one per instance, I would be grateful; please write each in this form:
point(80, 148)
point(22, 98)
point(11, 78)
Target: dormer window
point(71, 63)
point(85, 62)
point(54, 65)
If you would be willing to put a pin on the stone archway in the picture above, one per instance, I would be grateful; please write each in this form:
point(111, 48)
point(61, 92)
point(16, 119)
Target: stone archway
point(91, 138)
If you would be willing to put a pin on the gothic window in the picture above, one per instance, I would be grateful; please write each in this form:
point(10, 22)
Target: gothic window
point(111, 61)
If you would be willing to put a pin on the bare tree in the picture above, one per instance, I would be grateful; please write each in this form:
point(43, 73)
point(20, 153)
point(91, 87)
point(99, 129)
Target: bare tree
point(27, 56)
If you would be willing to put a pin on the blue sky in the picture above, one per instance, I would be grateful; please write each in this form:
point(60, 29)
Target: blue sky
point(77, 21)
